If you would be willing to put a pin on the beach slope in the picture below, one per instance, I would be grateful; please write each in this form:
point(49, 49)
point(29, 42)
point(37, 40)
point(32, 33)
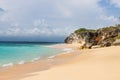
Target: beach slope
point(93, 64)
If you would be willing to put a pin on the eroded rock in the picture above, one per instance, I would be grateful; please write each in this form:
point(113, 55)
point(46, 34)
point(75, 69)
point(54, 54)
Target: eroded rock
point(104, 37)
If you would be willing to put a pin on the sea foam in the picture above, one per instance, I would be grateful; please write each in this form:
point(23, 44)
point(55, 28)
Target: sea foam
point(21, 62)
point(7, 65)
point(35, 59)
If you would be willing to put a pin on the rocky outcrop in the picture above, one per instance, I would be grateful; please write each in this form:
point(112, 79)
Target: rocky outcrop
point(72, 38)
point(104, 37)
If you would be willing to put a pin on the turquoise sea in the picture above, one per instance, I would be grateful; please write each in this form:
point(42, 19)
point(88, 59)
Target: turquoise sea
point(20, 53)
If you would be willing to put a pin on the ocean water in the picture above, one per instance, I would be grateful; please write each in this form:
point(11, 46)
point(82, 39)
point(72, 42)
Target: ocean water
point(20, 53)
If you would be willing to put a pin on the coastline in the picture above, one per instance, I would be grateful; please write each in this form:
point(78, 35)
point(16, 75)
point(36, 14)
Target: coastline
point(99, 63)
point(9, 72)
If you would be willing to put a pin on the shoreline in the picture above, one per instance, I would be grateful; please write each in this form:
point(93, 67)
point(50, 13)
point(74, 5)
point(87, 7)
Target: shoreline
point(10, 71)
point(67, 65)
point(10, 64)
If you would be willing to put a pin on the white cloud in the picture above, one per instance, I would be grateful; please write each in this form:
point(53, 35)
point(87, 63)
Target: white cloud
point(50, 17)
point(40, 22)
point(37, 32)
point(10, 32)
point(15, 25)
point(70, 8)
point(116, 3)
point(109, 18)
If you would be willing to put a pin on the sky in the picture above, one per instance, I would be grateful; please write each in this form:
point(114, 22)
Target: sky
point(53, 20)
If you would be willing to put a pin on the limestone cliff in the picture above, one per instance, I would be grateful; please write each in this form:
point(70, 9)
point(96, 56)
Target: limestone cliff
point(104, 37)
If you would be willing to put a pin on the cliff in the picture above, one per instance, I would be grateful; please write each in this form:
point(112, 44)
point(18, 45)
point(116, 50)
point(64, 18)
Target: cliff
point(103, 37)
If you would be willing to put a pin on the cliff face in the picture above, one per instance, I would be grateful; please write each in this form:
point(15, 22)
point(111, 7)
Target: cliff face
point(104, 37)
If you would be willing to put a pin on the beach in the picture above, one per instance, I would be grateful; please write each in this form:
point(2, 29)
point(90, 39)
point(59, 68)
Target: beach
point(76, 64)
point(59, 39)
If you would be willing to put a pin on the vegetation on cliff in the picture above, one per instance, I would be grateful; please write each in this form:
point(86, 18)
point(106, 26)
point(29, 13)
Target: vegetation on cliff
point(81, 30)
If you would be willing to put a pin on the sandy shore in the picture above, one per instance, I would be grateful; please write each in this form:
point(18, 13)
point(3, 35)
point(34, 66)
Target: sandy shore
point(93, 64)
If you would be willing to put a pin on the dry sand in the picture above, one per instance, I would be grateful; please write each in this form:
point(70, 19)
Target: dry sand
point(93, 64)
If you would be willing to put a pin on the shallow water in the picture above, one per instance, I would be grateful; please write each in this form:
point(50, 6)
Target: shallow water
point(19, 53)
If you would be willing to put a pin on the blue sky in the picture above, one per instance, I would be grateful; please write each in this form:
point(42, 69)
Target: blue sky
point(53, 20)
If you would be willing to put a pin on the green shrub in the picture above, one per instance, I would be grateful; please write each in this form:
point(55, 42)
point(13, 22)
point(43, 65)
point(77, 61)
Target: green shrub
point(84, 30)
point(111, 28)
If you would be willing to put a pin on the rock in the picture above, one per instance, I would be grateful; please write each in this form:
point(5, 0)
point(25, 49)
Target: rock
point(72, 38)
point(117, 42)
point(104, 37)
point(106, 44)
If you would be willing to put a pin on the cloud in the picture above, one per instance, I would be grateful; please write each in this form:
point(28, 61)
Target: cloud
point(45, 18)
point(76, 8)
point(40, 28)
point(109, 18)
point(40, 22)
point(46, 32)
point(116, 3)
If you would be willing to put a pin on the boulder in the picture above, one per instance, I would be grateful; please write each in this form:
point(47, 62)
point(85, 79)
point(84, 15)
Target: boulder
point(117, 42)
